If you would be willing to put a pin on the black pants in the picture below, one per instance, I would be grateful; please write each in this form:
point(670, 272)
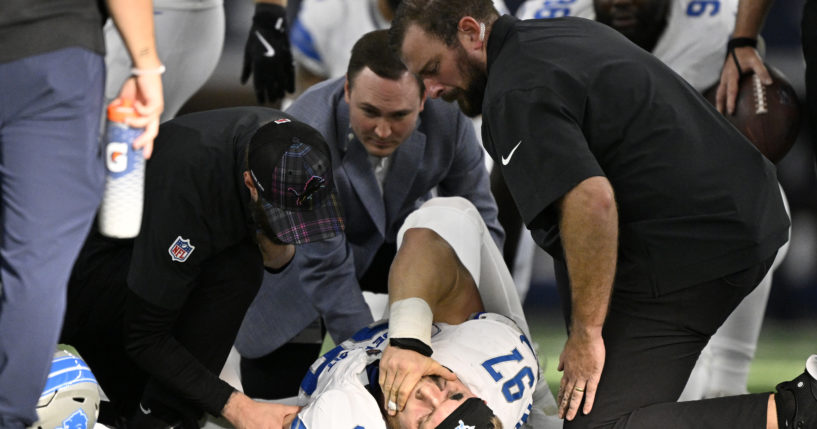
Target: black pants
point(652, 344)
point(206, 325)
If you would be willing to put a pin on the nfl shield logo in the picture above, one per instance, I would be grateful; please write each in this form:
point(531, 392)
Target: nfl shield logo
point(181, 249)
point(281, 121)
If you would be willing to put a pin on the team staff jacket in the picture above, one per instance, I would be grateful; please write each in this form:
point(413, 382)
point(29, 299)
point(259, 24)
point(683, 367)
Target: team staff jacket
point(196, 210)
point(568, 99)
point(442, 152)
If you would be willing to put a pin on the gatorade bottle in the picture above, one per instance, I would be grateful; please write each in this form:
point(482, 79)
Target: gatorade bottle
point(120, 215)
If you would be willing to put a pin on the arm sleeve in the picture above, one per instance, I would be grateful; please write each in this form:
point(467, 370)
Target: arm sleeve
point(327, 274)
point(150, 344)
point(468, 178)
point(536, 135)
point(176, 236)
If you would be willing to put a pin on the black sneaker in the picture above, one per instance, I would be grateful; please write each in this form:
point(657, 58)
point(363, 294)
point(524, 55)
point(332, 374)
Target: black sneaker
point(803, 391)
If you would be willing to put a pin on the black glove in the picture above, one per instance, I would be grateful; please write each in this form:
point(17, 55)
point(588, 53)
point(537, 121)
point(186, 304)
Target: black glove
point(267, 54)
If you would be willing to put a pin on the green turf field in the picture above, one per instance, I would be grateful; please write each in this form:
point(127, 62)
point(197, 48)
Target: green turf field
point(781, 352)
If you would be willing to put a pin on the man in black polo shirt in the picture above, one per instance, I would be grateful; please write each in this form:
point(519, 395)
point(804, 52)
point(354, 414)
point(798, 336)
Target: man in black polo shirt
point(155, 317)
point(661, 217)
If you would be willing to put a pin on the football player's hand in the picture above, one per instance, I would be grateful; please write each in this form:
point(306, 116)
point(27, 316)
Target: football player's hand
point(400, 370)
point(750, 62)
point(581, 361)
point(267, 54)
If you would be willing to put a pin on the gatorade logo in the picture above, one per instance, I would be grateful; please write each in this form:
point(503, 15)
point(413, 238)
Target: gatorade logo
point(116, 157)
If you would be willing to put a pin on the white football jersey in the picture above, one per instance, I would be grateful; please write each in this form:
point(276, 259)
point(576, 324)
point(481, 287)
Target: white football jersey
point(543, 9)
point(488, 353)
point(325, 31)
point(693, 43)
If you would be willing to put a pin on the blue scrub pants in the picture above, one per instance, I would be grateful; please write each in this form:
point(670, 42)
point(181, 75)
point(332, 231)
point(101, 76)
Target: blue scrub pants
point(51, 179)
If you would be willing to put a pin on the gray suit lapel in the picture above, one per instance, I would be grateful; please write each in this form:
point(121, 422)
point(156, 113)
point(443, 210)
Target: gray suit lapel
point(359, 171)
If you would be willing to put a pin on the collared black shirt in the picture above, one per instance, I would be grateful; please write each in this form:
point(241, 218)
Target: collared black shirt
point(568, 99)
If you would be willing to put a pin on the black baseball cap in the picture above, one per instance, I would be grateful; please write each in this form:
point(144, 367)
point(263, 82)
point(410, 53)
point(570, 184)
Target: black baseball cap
point(291, 168)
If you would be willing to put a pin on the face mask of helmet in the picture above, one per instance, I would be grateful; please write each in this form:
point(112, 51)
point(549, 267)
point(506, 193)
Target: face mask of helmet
point(70, 399)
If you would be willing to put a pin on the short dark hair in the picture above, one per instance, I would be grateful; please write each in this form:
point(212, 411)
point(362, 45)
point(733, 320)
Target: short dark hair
point(439, 18)
point(373, 51)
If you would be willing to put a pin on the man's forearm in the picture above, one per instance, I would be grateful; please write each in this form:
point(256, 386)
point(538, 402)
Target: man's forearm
point(134, 20)
point(589, 234)
point(750, 17)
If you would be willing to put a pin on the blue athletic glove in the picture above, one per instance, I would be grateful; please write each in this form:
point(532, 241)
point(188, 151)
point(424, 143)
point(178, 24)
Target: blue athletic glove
point(267, 54)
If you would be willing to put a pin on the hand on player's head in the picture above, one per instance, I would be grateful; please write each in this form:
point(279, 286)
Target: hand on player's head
point(432, 400)
point(400, 370)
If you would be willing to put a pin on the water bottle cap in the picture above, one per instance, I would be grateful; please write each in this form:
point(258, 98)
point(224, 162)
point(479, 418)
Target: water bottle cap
point(121, 109)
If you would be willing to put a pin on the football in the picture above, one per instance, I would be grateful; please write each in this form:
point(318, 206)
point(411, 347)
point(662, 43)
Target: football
point(768, 115)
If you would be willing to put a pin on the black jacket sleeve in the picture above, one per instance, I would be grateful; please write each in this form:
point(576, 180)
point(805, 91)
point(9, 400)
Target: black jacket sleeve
point(151, 345)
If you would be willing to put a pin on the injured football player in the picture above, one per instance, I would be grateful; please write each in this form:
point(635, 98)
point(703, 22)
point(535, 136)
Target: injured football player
point(455, 350)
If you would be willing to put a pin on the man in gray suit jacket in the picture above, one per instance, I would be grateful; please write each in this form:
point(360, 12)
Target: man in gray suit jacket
point(391, 149)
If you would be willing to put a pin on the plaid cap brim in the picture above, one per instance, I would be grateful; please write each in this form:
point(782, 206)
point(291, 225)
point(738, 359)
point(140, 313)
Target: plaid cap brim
point(306, 226)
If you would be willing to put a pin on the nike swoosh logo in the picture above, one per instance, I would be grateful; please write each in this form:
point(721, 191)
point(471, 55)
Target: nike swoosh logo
point(505, 160)
point(144, 410)
point(270, 50)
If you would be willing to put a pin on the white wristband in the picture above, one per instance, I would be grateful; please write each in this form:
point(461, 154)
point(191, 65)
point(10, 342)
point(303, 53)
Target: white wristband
point(411, 318)
point(139, 72)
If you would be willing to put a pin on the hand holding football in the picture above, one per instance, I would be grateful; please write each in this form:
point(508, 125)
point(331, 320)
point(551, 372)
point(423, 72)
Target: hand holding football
point(769, 116)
